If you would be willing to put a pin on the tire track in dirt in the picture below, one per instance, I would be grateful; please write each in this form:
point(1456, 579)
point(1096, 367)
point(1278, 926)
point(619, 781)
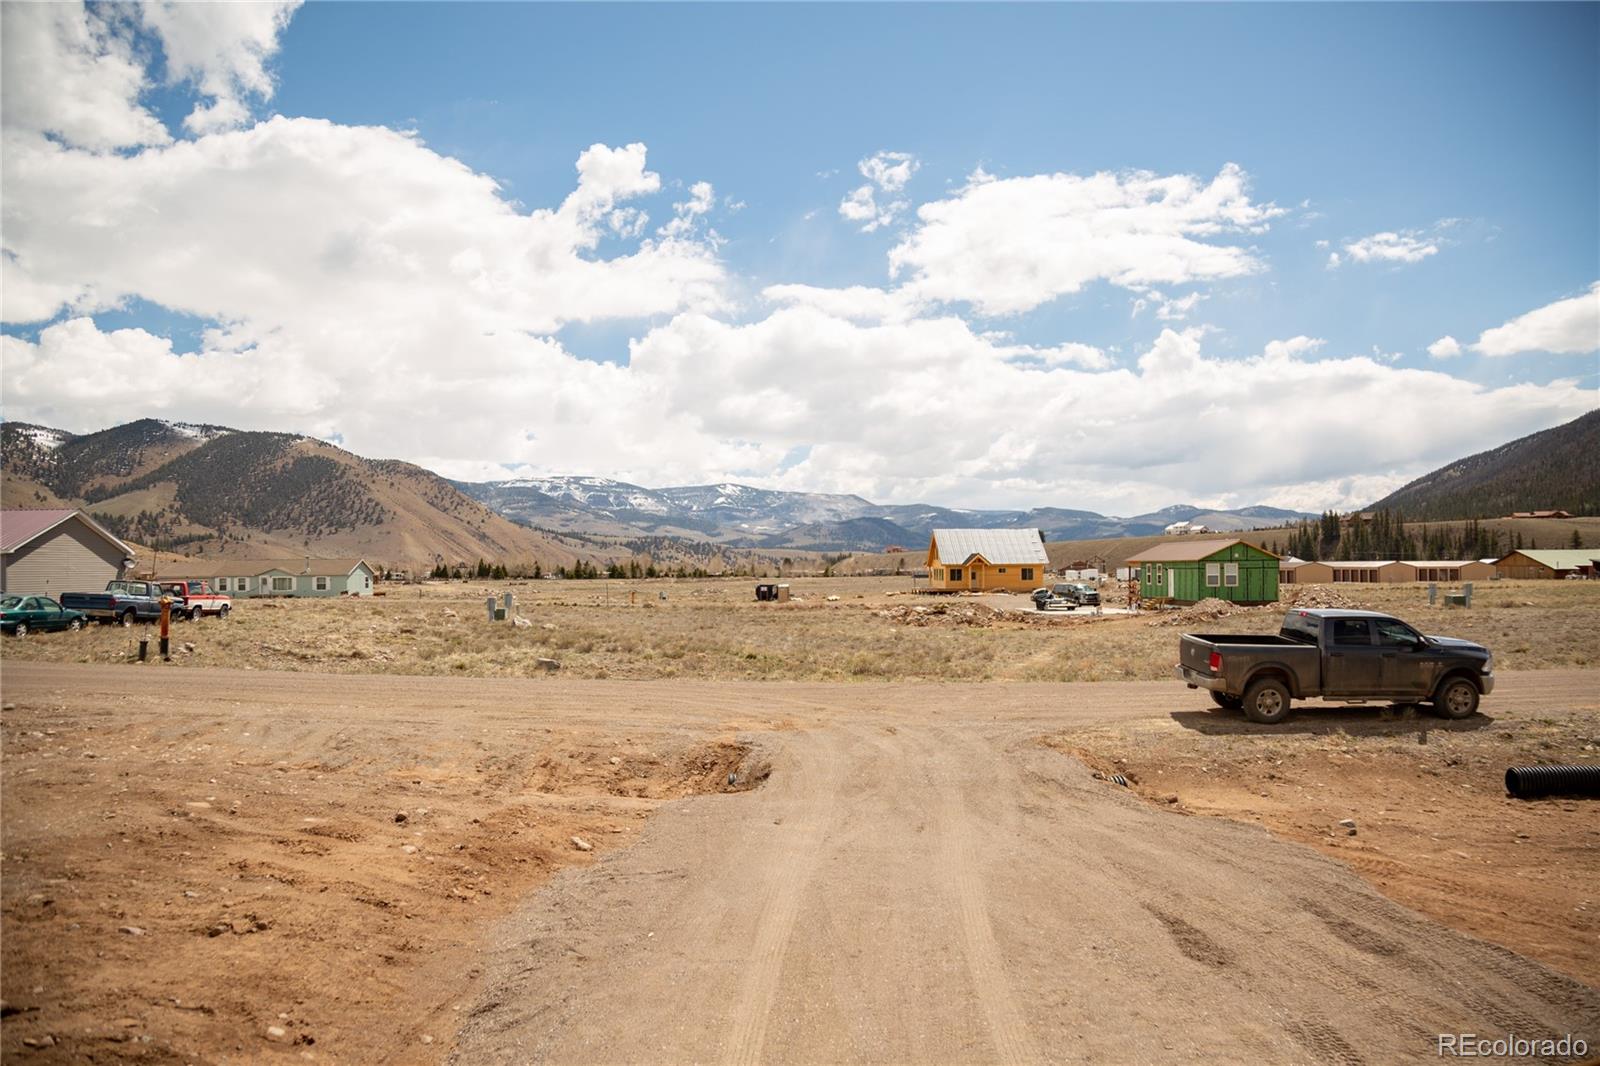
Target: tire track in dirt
point(1007, 1028)
point(816, 784)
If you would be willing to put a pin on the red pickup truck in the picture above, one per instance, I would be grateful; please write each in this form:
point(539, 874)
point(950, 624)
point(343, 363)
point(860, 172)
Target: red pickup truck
point(192, 599)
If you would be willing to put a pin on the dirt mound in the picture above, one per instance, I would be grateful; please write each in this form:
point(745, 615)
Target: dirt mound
point(956, 614)
point(724, 766)
point(1204, 611)
point(1315, 596)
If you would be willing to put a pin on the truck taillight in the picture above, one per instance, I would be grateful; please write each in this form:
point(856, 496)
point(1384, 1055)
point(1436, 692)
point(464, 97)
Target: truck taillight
point(1216, 662)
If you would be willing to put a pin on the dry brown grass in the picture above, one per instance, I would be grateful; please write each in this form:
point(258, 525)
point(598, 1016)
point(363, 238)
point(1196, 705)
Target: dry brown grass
point(713, 629)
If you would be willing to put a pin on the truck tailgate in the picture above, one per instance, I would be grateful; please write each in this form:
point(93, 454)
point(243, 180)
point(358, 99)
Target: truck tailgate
point(1195, 653)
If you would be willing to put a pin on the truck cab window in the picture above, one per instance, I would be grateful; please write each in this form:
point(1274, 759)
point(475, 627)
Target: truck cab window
point(1351, 631)
point(1397, 635)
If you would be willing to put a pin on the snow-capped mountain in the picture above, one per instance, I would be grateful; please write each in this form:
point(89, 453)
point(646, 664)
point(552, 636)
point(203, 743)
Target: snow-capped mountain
point(742, 515)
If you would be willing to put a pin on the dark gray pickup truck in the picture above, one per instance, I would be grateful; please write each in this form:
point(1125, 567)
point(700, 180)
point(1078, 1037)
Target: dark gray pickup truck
point(1347, 656)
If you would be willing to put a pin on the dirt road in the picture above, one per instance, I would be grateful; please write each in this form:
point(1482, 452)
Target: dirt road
point(920, 879)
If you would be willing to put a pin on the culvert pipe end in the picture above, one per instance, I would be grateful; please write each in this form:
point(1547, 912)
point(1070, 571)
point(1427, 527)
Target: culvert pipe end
point(1535, 782)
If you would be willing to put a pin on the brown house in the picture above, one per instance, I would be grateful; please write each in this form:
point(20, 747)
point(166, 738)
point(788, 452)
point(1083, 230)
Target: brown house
point(1539, 564)
point(1540, 514)
point(48, 552)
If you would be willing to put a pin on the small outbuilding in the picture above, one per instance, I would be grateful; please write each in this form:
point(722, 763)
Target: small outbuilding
point(48, 552)
point(1542, 564)
point(985, 560)
point(1303, 572)
point(1368, 573)
point(1434, 570)
point(1188, 571)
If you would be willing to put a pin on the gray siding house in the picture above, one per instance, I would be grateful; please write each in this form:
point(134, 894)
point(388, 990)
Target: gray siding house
point(48, 552)
point(247, 578)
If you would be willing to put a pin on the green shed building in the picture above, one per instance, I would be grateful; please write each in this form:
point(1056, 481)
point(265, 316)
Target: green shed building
point(1187, 571)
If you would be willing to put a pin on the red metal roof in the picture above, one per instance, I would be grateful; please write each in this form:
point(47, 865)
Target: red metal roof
point(19, 527)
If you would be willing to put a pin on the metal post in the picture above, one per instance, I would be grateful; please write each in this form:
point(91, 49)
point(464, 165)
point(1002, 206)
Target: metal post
point(166, 620)
point(508, 604)
point(491, 608)
point(1466, 594)
point(1433, 594)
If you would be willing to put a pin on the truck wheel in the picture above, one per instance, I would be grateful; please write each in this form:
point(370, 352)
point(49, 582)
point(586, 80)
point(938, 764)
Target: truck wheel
point(1456, 698)
point(222, 612)
point(21, 630)
point(1226, 702)
point(194, 614)
point(75, 625)
point(1266, 701)
point(128, 617)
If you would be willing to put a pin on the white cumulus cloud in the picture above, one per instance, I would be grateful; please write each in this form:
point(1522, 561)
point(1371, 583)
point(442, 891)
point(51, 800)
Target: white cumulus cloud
point(1008, 245)
point(1408, 247)
point(222, 48)
point(1446, 347)
point(1566, 327)
point(877, 203)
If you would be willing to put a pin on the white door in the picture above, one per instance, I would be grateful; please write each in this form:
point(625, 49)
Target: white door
point(1172, 584)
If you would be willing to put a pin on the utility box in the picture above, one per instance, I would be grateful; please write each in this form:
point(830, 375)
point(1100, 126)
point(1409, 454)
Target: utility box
point(772, 593)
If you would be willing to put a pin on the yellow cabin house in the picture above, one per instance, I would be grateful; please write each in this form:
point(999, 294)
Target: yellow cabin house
point(982, 560)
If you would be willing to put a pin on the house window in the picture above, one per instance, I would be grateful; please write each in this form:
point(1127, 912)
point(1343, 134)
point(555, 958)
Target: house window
point(1148, 572)
point(321, 584)
point(1027, 573)
point(220, 584)
point(955, 573)
point(1230, 575)
point(999, 569)
point(1161, 571)
point(1213, 575)
point(366, 581)
point(283, 584)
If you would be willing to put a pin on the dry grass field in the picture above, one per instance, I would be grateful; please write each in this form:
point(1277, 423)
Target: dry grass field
point(713, 629)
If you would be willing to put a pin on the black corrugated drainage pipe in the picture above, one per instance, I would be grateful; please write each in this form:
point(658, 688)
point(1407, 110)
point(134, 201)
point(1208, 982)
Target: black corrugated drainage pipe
point(1532, 782)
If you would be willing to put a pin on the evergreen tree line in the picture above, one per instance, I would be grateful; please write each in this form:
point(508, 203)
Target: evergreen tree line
point(1335, 539)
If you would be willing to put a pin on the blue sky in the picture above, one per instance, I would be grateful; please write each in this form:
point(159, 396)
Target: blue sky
point(1446, 156)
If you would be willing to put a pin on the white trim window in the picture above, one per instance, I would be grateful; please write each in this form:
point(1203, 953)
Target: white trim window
point(1230, 575)
point(283, 584)
point(1213, 575)
point(220, 584)
point(320, 583)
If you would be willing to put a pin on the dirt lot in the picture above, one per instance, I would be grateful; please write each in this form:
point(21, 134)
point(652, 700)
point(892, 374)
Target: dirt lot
point(713, 629)
point(178, 883)
point(1433, 826)
point(230, 878)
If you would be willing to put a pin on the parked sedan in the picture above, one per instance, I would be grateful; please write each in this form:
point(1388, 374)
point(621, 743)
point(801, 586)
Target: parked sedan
point(22, 614)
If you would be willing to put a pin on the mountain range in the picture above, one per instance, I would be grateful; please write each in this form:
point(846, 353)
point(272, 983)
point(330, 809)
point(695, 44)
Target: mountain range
point(194, 488)
point(746, 517)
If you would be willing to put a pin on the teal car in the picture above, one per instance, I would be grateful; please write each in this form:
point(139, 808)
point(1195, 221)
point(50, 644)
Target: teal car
point(21, 615)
